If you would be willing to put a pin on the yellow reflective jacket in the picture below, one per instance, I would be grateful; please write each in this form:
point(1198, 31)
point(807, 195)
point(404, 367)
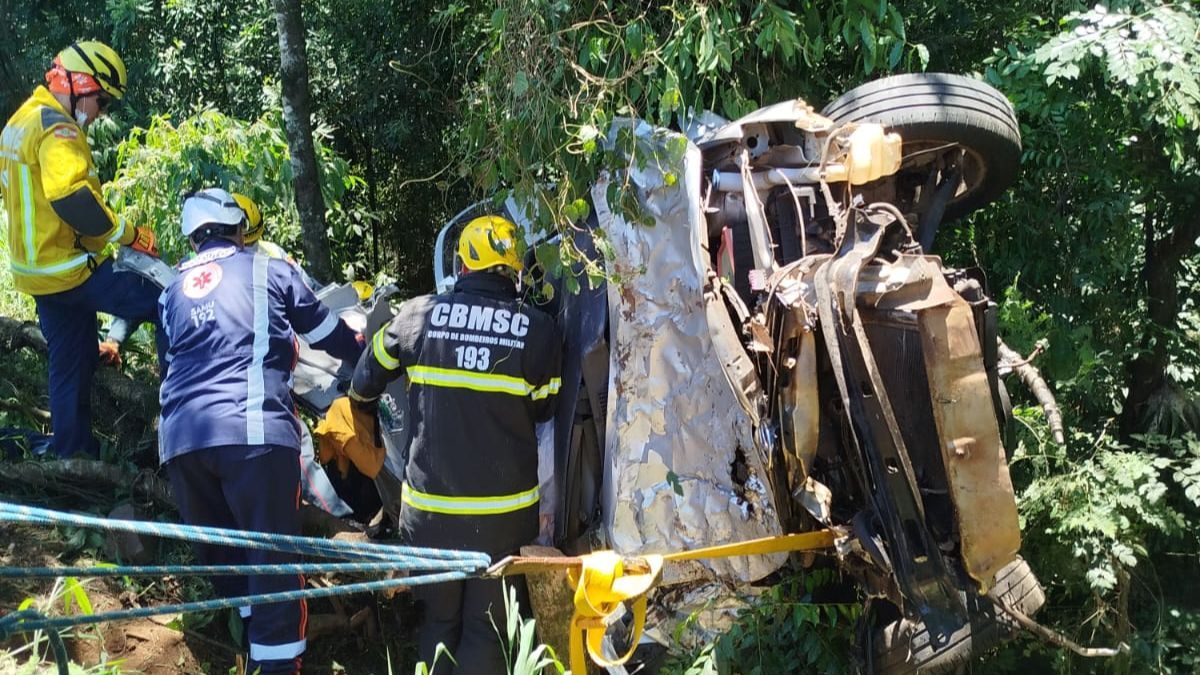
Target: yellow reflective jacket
point(45, 159)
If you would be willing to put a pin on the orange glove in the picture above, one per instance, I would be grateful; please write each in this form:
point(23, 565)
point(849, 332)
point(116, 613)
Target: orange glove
point(110, 353)
point(347, 434)
point(144, 241)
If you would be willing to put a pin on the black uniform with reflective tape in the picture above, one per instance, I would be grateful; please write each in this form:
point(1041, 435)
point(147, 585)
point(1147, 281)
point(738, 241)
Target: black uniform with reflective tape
point(483, 369)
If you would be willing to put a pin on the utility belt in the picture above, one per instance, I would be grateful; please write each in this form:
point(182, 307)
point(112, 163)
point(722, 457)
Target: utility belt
point(468, 506)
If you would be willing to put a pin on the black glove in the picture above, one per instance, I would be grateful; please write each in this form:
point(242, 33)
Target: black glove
point(367, 413)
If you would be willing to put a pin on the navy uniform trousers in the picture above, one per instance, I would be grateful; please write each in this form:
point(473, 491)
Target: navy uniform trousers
point(68, 322)
point(249, 488)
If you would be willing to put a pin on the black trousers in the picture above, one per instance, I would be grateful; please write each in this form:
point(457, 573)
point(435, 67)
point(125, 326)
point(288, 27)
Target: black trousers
point(468, 617)
point(249, 488)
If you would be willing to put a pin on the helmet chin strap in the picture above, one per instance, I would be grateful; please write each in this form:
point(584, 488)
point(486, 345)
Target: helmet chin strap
point(79, 117)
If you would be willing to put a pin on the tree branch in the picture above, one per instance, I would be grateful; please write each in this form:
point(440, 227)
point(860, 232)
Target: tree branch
point(1033, 379)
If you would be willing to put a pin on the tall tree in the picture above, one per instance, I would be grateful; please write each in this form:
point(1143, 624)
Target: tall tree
point(293, 75)
point(1112, 108)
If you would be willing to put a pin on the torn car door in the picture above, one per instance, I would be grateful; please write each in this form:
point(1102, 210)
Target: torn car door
point(686, 462)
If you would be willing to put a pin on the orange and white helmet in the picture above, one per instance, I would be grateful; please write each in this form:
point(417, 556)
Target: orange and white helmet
point(86, 68)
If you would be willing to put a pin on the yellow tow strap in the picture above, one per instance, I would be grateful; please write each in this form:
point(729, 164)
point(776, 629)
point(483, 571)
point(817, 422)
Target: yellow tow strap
point(602, 583)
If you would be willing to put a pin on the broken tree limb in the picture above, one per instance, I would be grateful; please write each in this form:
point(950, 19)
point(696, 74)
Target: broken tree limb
point(87, 472)
point(1058, 639)
point(144, 484)
point(115, 390)
point(323, 625)
point(1029, 374)
point(33, 412)
point(15, 335)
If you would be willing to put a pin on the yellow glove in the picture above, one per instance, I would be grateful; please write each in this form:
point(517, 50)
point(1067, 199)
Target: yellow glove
point(347, 434)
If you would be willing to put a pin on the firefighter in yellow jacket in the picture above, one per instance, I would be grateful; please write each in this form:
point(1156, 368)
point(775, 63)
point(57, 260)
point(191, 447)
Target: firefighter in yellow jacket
point(59, 229)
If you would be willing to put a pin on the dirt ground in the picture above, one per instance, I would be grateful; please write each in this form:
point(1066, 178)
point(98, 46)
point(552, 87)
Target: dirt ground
point(347, 635)
point(123, 409)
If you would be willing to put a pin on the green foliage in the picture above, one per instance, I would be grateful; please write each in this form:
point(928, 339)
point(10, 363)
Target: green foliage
point(1024, 323)
point(75, 596)
point(383, 83)
point(789, 628)
point(1109, 508)
point(552, 76)
point(1101, 226)
point(423, 668)
point(41, 30)
point(184, 55)
point(156, 166)
point(522, 653)
point(1096, 518)
point(34, 657)
point(1152, 54)
point(1172, 647)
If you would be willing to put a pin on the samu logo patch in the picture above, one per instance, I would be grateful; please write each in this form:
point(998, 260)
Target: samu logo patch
point(201, 281)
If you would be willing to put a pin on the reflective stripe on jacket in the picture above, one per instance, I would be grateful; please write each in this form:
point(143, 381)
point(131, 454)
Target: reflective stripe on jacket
point(483, 369)
point(45, 158)
point(468, 506)
point(231, 318)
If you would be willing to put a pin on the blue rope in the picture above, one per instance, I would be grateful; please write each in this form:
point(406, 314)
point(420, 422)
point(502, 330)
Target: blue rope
point(104, 570)
point(27, 620)
point(326, 548)
point(436, 565)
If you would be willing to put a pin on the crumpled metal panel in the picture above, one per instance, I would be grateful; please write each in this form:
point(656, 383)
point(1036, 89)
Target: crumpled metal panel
point(315, 378)
point(144, 264)
point(969, 436)
point(685, 468)
point(796, 113)
point(711, 612)
point(801, 409)
point(977, 470)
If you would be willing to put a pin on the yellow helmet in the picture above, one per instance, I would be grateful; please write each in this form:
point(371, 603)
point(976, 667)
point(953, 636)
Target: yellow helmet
point(489, 241)
point(97, 60)
point(254, 221)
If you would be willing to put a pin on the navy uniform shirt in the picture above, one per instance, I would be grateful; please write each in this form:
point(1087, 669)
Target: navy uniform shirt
point(483, 370)
point(231, 320)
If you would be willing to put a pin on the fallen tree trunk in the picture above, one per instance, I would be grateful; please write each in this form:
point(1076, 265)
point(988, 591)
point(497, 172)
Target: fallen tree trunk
point(88, 473)
point(16, 335)
point(115, 395)
point(144, 485)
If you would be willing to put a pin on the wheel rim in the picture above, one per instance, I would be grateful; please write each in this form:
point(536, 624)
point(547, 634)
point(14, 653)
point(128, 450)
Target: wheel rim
point(931, 156)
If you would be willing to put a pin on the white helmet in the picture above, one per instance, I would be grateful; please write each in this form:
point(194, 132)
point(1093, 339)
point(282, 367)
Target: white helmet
point(210, 206)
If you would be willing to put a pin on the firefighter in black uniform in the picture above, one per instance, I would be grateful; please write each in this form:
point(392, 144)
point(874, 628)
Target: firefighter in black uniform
point(483, 370)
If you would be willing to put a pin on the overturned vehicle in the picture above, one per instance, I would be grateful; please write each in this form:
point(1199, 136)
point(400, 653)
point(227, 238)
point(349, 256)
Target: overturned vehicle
point(781, 353)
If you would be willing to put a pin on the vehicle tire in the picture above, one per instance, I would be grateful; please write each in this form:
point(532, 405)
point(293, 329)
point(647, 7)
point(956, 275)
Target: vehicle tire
point(904, 647)
point(931, 110)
